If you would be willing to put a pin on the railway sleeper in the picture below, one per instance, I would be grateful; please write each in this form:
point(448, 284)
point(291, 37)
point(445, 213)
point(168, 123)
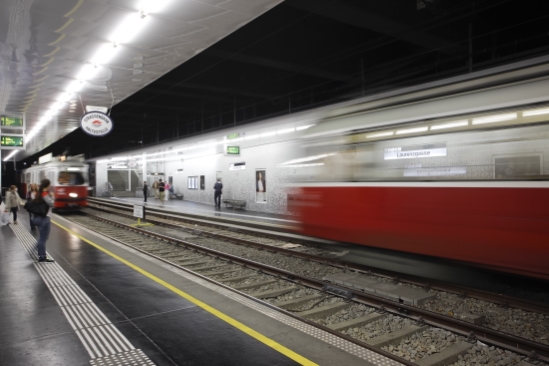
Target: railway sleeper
point(221, 273)
point(394, 338)
point(357, 322)
point(447, 356)
point(299, 301)
point(233, 279)
point(207, 268)
point(275, 293)
point(324, 311)
point(254, 285)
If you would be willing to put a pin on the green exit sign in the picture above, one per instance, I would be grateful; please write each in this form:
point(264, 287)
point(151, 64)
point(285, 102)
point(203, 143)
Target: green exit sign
point(11, 141)
point(233, 136)
point(7, 121)
point(233, 150)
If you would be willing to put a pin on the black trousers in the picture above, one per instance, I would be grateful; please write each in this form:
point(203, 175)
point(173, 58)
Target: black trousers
point(14, 212)
point(217, 199)
point(145, 196)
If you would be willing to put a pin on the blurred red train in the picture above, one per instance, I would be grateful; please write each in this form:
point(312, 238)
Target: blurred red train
point(69, 181)
point(444, 176)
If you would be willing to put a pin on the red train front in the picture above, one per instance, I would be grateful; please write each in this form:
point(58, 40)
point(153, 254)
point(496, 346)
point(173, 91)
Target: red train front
point(69, 181)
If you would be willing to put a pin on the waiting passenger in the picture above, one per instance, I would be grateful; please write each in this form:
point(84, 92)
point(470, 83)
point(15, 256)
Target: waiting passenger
point(161, 193)
point(155, 187)
point(218, 191)
point(13, 201)
point(145, 191)
point(43, 222)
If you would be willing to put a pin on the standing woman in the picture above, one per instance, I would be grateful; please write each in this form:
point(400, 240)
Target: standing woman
point(31, 194)
point(12, 202)
point(43, 222)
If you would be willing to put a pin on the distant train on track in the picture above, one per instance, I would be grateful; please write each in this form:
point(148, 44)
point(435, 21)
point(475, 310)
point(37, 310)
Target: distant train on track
point(69, 181)
point(416, 177)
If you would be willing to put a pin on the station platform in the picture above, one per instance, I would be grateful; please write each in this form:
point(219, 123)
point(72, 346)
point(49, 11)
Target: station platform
point(198, 208)
point(103, 303)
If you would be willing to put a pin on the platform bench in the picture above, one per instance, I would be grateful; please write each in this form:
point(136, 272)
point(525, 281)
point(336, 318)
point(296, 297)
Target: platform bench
point(234, 203)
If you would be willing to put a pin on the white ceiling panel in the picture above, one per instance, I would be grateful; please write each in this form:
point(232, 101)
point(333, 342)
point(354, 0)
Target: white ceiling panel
point(48, 47)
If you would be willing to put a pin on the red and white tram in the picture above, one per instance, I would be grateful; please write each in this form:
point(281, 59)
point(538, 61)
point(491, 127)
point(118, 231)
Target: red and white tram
point(414, 177)
point(69, 181)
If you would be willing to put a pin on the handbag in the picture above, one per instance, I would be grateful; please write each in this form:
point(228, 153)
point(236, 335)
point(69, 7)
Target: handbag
point(40, 209)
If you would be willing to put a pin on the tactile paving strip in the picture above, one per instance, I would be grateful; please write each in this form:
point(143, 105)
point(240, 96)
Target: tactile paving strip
point(134, 357)
point(104, 343)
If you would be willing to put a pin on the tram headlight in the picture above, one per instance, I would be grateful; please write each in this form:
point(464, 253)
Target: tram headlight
point(73, 195)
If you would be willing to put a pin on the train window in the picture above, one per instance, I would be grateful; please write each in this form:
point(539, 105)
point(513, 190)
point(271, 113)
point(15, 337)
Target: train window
point(515, 153)
point(70, 178)
point(42, 175)
point(28, 178)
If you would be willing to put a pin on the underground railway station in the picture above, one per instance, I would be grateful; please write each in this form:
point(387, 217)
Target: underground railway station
point(274, 182)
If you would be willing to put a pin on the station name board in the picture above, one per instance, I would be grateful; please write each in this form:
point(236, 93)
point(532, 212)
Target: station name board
point(12, 141)
point(416, 151)
point(8, 121)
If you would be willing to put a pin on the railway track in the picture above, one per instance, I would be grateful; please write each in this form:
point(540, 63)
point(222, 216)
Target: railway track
point(295, 281)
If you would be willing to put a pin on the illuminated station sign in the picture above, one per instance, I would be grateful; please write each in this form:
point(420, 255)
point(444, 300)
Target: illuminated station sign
point(11, 122)
point(12, 142)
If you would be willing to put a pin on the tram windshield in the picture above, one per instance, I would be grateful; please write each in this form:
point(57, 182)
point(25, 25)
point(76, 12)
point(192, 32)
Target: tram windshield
point(71, 179)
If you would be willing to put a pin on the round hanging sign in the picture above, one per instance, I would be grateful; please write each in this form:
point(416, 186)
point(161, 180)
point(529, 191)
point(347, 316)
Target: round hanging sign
point(96, 123)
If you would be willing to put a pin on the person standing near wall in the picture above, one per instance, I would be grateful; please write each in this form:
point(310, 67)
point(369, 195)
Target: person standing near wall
point(155, 187)
point(13, 201)
point(43, 222)
point(161, 191)
point(145, 191)
point(218, 191)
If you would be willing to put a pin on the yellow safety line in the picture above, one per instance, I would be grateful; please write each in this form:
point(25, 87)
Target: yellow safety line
point(80, 2)
point(235, 323)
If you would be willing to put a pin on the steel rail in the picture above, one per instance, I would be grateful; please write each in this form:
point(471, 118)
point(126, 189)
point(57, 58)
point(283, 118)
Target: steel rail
point(473, 332)
point(261, 268)
point(499, 299)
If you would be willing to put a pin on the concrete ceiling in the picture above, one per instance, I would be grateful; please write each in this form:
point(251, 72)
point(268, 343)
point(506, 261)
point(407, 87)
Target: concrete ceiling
point(100, 50)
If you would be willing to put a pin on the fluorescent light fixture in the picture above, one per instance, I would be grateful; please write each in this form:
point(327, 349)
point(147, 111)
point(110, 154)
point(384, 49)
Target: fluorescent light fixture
point(450, 125)
point(309, 158)
point(267, 134)
point(129, 27)
point(104, 54)
point(75, 86)
point(119, 167)
point(301, 128)
point(87, 72)
point(56, 106)
point(379, 134)
point(11, 155)
point(535, 112)
point(152, 6)
point(286, 130)
point(73, 169)
point(251, 137)
point(411, 130)
point(494, 118)
point(73, 195)
point(64, 97)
